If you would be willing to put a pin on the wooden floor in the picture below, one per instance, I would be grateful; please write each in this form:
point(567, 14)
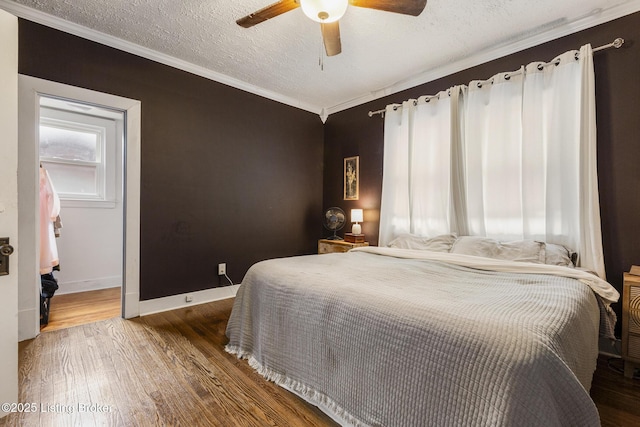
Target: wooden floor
point(171, 369)
point(617, 397)
point(69, 310)
point(166, 369)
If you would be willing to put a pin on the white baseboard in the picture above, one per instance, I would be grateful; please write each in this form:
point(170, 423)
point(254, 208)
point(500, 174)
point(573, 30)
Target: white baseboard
point(179, 301)
point(88, 285)
point(131, 303)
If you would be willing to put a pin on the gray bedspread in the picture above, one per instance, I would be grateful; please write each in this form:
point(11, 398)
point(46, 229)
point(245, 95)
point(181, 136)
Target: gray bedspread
point(383, 340)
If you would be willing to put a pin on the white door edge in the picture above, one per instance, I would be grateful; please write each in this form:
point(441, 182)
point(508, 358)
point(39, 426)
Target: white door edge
point(9, 208)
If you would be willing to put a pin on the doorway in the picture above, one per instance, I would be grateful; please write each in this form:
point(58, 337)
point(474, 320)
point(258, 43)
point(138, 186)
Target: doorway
point(35, 96)
point(81, 154)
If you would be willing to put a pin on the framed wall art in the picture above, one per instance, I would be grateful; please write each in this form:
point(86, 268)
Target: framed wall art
point(352, 178)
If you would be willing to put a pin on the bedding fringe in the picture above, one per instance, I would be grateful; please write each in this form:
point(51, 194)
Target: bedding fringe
point(326, 404)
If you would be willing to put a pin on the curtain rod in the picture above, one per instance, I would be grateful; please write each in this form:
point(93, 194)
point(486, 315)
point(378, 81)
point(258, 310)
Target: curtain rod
point(617, 43)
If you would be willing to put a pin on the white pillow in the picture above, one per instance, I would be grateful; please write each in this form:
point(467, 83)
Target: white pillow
point(558, 255)
point(521, 250)
point(442, 243)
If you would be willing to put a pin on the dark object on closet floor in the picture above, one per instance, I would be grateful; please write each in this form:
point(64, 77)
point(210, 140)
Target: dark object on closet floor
point(45, 305)
point(49, 286)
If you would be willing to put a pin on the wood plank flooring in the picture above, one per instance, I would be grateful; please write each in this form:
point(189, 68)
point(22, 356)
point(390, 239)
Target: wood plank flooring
point(83, 307)
point(617, 397)
point(166, 369)
point(171, 369)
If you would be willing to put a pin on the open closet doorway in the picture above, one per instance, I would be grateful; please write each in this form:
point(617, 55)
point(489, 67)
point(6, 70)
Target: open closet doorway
point(42, 97)
point(81, 162)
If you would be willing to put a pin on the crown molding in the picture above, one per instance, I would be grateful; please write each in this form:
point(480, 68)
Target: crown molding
point(597, 17)
point(57, 23)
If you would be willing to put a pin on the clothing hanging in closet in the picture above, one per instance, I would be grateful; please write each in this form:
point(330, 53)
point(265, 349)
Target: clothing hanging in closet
point(49, 211)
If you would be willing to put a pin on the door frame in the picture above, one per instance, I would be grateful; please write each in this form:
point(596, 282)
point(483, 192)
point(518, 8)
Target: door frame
point(9, 207)
point(30, 90)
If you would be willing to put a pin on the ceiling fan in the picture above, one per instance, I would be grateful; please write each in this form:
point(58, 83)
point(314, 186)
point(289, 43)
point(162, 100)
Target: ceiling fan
point(328, 12)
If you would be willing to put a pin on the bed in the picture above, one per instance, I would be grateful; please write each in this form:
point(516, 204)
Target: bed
point(406, 336)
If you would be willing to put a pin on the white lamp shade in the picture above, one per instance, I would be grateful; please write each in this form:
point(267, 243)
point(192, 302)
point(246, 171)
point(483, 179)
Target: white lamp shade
point(324, 11)
point(356, 215)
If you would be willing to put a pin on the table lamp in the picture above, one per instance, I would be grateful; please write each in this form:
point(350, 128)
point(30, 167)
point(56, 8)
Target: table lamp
point(356, 216)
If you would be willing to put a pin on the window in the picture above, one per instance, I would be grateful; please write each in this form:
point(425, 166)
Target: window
point(525, 158)
point(73, 153)
point(79, 152)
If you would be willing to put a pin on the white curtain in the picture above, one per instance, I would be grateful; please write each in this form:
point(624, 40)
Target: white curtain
point(417, 183)
point(523, 165)
point(493, 156)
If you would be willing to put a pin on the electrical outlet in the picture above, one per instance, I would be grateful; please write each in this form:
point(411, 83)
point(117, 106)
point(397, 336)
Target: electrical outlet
point(222, 269)
point(188, 298)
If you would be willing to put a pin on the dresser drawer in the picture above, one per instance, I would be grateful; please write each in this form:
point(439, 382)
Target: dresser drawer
point(326, 246)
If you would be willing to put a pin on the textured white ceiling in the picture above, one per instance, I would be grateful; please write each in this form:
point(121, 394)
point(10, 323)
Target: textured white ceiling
point(382, 52)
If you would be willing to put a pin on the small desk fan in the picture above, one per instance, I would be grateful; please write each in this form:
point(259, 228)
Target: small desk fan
point(333, 220)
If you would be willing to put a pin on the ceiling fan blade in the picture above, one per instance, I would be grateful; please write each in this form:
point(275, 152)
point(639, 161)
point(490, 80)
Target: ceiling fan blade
point(268, 12)
point(331, 38)
point(406, 7)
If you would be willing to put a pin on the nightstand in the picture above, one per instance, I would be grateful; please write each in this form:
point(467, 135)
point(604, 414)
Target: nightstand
point(326, 246)
point(631, 321)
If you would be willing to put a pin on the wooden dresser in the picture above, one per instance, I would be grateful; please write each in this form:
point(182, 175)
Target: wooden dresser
point(631, 321)
point(326, 246)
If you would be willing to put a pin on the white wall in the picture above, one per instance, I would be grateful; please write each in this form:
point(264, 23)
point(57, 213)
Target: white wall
point(90, 248)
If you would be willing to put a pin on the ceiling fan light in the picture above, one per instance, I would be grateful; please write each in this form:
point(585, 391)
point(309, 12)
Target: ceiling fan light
point(324, 11)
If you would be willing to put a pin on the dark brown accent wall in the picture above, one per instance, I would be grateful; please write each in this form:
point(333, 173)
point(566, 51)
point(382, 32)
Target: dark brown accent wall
point(226, 176)
point(352, 132)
